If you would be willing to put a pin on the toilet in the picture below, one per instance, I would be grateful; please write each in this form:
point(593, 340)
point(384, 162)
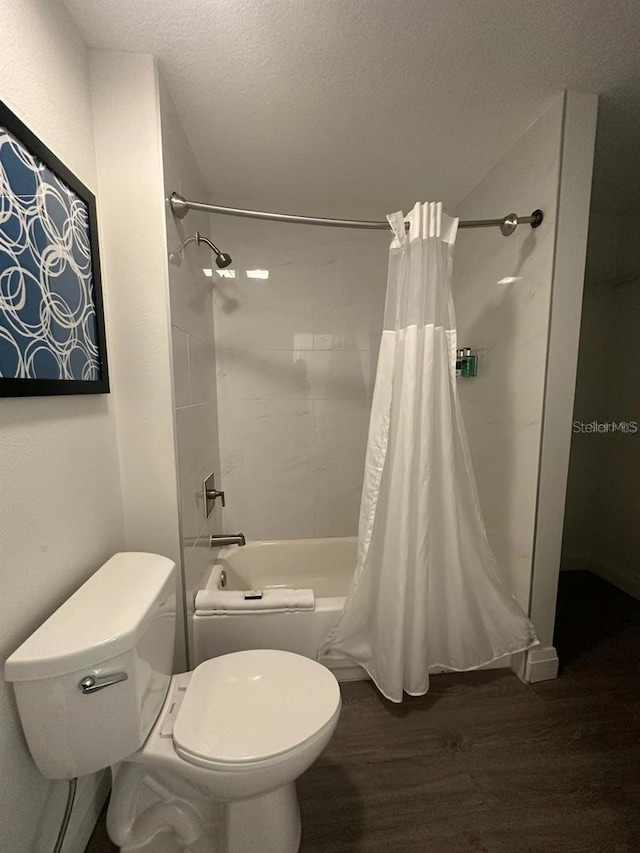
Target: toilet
point(203, 761)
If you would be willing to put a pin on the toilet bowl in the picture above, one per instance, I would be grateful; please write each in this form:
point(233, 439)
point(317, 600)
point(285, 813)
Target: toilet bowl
point(202, 762)
point(238, 730)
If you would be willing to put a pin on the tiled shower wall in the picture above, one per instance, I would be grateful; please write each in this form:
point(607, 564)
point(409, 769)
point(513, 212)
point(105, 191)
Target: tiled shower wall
point(296, 356)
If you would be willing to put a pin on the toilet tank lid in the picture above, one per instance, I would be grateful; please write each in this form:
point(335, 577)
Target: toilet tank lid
point(104, 618)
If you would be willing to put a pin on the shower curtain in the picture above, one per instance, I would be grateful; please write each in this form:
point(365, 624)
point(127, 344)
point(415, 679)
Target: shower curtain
point(427, 592)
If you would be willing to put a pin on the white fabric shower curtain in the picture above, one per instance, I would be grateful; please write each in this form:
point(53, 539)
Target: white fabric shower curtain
point(427, 592)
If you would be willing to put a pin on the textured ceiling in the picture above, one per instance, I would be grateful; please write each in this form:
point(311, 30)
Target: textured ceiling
point(331, 105)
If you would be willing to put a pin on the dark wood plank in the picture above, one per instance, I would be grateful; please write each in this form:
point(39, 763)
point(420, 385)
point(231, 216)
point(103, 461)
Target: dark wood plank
point(486, 764)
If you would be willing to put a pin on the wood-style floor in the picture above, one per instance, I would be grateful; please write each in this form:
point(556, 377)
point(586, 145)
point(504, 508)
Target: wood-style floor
point(487, 764)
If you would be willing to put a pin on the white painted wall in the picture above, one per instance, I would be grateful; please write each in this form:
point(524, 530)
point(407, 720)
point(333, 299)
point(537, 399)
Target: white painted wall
point(600, 528)
point(502, 290)
point(576, 167)
point(193, 355)
point(616, 544)
point(583, 481)
point(83, 477)
point(518, 303)
point(296, 358)
point(60, 502)
point(124, 88)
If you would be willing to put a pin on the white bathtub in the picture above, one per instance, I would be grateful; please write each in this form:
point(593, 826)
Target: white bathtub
point(324, 565)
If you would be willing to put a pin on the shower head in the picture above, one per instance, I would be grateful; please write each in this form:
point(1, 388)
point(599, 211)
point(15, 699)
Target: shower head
point(222, 258)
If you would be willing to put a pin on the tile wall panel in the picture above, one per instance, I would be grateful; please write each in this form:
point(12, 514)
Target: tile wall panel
point(296, 356)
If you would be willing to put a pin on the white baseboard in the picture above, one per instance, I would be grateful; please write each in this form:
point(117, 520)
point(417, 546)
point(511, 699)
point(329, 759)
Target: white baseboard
point(352, 673)
point(540, 665)
point(629, 585)
point(346, 670)
point(518, 663)
point(91, 794)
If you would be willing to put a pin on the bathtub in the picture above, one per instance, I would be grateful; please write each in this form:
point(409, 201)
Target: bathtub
point(324, 565)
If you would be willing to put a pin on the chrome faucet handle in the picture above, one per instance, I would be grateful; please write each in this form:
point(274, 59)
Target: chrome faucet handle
point(214, 494)
point(210, 495)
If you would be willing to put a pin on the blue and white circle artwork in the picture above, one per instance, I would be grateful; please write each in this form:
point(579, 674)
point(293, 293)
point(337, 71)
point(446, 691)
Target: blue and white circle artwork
point(48, 326)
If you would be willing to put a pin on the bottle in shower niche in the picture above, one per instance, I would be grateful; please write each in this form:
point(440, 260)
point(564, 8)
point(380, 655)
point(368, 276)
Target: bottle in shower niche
point(469, 364)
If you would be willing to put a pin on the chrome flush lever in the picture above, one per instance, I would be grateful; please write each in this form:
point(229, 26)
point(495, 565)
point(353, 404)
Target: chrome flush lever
point(93, 683)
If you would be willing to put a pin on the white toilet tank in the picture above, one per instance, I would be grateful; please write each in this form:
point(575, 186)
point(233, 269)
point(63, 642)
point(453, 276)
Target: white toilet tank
point(118, 627)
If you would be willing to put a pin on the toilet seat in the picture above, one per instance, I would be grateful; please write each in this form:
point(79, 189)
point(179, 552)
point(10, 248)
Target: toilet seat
point(253, 707)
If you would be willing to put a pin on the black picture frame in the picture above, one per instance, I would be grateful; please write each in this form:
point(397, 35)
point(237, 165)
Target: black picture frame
point(28, 387)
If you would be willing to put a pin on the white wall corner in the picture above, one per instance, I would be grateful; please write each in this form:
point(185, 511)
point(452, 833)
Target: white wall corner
point(126, 113)
point(578, 142)
point(540, 665)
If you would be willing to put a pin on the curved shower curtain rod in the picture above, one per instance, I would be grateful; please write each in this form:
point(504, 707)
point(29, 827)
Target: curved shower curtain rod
point(507, 225)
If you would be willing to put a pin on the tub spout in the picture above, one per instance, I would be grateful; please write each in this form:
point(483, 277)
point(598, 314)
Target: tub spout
point(218, 540)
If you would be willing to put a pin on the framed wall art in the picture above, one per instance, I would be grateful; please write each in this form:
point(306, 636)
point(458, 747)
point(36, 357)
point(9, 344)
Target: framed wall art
point(52, 336)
